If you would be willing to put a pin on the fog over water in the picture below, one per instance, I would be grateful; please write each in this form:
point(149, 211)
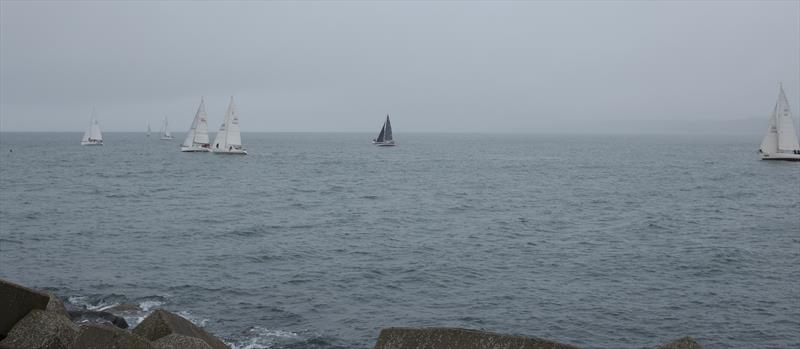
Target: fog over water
point(575, 67)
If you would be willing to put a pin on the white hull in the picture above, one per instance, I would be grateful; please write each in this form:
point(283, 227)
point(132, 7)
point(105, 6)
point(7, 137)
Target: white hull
point(91, 143)
point(781, 156)
point(384, 144)
point(195, 149)
point(167, 138)
point(232, 152)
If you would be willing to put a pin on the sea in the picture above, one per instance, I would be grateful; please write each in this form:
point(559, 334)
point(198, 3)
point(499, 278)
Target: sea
point(319, 240)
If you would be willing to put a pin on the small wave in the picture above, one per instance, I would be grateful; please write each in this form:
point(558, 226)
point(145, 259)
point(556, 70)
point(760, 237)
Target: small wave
point(96, 302)
point(9, 241)
point(194, 319)
point(263, 338)
point(148, 305)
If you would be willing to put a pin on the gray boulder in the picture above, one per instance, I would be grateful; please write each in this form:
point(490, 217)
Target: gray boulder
point(41, 330)
point(94, 336)
point(682, 343)
point(179, 341)
point(15, 302)
point(56, 305)
point(161, 323)
point(458, 338)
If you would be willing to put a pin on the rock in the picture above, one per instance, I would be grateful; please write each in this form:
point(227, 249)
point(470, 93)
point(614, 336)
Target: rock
point(457, 338)
point(55, 305)
point(94, 336)
point(41, 330)
point(15, 302)
point(179, 341)
point(682, 343)
point(161, 323)
point(81, 315)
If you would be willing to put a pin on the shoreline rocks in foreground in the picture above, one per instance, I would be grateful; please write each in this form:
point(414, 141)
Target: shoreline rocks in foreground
point(460, 338)
point(31, 319)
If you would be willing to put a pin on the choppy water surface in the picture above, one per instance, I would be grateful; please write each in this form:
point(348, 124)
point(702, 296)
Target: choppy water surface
point(320, 240)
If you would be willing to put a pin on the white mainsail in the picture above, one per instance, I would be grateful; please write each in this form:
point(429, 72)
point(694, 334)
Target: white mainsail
point(148, 129)
point(769, 145)
point(93, 134)
point(229, 137)
point(198, 133)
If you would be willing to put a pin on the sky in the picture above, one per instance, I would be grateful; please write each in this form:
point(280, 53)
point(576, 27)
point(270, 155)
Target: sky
point(439, 66)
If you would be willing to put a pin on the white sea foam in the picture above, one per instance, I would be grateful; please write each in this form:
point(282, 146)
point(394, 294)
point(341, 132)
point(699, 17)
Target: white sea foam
point(264, 338)
point(150, 304)
point(83, 301)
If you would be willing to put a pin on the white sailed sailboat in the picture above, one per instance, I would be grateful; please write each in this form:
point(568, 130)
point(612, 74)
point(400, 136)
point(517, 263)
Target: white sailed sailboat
point(780, 142)
point(92, 136)
point(229, 138)
point(165, 135)
point(148, 129)
point(385, 138)
point(197, 137)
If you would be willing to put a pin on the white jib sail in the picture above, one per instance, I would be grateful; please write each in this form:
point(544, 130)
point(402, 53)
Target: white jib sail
point(769, 145)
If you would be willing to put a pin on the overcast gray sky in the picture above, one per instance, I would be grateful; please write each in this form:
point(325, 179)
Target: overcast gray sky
point(473, 66)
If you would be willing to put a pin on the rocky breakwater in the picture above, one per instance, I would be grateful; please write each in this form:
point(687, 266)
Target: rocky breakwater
point(31, 319)
point(459, 338)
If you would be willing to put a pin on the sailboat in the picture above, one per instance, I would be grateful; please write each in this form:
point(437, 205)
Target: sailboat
point(229, 138)
point(165, 135)
point(197, 137)
point(148, 130)
point(780, 142)
point(92, 136)
point(385, 138)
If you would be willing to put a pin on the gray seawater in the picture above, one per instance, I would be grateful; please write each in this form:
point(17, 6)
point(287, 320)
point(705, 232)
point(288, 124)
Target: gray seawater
point(320, 240)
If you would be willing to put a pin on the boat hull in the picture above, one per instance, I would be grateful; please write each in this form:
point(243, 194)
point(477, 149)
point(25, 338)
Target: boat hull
point(384, 144)
point(781, 156)
point(230, 152)
point(194, 150)
point(91, 143)
point(167, 138)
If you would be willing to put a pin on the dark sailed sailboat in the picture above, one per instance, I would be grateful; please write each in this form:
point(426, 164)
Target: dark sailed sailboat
point(385, 138)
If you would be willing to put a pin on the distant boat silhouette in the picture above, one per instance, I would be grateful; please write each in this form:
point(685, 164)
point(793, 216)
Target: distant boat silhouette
point(385, 137)
point(165, 135)
point(780, 142)
point(93, 136)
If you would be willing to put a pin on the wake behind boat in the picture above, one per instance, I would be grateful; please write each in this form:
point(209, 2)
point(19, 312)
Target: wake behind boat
point(385, 138)
point(229, 138)
point(197, 137)
point(780, 142)
point(92, 136)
